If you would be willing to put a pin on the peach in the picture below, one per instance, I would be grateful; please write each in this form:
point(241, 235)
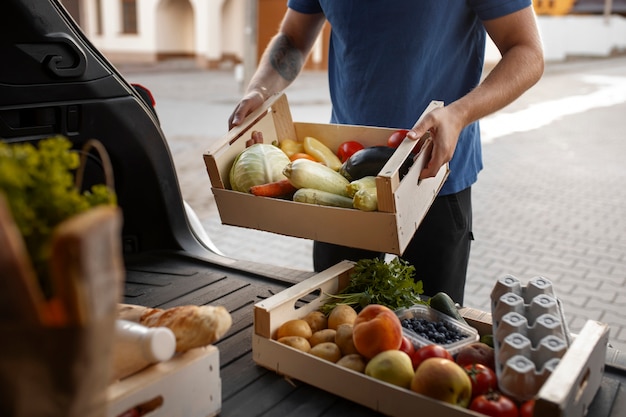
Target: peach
point(376, 329)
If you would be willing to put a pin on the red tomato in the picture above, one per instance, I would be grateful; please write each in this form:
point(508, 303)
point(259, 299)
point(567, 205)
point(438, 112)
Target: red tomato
point(483, 379)
point(429, 351)
point(407, 346)
point(396, 138)
point(348, 148)
point(494, 404)
point(527, 408)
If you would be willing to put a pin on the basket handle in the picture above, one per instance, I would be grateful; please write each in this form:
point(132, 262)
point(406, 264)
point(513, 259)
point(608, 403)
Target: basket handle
point(104, 157)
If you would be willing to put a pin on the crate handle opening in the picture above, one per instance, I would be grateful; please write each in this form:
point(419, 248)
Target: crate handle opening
point(145, 408)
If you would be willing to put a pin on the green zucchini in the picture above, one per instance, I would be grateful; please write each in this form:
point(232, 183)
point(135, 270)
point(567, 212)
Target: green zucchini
point(304, 173)
point(322, 198)
point(444, 304)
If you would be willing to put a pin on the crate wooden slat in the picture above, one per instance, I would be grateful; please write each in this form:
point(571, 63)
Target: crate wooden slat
point(188, 385)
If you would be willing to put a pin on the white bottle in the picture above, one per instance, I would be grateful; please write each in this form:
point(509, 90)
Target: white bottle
point(136, 346)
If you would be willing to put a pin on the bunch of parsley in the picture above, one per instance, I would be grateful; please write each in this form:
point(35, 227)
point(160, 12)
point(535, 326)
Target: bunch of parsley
point(38, 183)
point(374, 281)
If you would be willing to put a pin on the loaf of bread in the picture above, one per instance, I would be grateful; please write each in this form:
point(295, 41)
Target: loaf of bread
point(194, 326)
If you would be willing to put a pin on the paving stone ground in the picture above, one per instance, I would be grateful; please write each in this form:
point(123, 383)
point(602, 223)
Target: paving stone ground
point(550, 201)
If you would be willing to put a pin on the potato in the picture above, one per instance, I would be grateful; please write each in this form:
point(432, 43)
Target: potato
point(296, 327)
point(296, 342)
point(326, 350)
point(353, 361)
point(317, 320)
point(324, 335)
point(343, 339)
point(342, 313)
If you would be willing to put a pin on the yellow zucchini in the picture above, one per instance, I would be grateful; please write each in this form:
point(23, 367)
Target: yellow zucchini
point(322, 198)
point(356, 185)
point(304, 173)
point(366, 199)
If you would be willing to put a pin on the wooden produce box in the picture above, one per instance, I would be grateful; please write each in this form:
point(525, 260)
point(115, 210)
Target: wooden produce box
point(566, 393)
point(401, 204)
point(188, 385)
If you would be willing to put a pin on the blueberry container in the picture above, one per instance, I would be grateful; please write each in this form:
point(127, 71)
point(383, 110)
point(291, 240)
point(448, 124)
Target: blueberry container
point(442, 323)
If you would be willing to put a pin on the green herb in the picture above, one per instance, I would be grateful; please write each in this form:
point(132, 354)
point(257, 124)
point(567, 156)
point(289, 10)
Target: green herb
point(374, 281)
point(39, 185)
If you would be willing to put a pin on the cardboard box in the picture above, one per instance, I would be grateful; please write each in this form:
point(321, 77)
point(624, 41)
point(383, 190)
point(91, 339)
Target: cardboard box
point(401, 204)
point(566, 393)
point(188, 385)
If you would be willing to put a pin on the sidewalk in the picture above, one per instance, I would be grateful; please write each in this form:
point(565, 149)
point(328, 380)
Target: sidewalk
point(549, 201)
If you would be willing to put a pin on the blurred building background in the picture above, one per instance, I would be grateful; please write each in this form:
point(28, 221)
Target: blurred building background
point(225, 33)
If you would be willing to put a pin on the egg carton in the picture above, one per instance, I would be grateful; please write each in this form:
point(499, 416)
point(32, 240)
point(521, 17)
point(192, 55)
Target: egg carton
point(530, 334)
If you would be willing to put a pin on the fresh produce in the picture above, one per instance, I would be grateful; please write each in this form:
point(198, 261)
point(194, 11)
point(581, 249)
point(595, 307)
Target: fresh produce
point(341, 314)
point(440, 332)
point(353, 361)
point(443, 303)
point(407, 346)
point(360, 184)
point(429, 351)
point(527, 408)
point(308, 174)
point(392, 366)
point(296, 342)
point(347, 149)
point(326, 350)
point(494, 404)
point(317, 320)
point(396, 138)
point(369, 162)
point(444, 380)
point(258, 164)
point(291, 147)
point(39, 186)
point(483, 379)
point(322, 198)
point(477, 353)
point(321, 153)
point(376, 329)
point(273, 189)
point(343, 338)
point(295, 327)
point(374, 281)
point(301, 155)
point(366, 199)
point(321, 336)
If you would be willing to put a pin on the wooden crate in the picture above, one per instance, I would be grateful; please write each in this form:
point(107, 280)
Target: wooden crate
point(401, 204)
point(188, 385)
point(567, 392)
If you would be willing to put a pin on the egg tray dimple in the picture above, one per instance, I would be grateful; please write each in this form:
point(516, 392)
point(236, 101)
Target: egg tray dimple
point(530, 334)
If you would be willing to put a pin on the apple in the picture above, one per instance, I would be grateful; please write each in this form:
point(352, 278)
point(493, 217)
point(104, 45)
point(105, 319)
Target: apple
point(407, 346)
point(444, 380)
point(429, 351)
point(392, 366)
point(376, 329)
point(476, 353)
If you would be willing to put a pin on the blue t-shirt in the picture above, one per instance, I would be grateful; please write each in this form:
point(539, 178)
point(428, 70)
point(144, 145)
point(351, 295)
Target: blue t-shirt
point(388, 59)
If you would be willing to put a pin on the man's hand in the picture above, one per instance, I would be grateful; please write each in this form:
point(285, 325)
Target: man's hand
point(249, 103)
point(444, 127)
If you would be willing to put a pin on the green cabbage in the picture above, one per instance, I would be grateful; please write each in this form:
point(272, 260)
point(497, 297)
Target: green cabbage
point(258, 164)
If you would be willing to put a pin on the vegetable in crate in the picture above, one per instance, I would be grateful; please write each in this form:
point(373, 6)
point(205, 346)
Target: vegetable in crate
point(374, 281)
point(303, 173)
point(321, 153)
point(370, 161)
point(258, 164)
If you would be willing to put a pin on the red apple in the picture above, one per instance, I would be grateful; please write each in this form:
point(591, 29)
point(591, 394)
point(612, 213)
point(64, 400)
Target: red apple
point(443, 380)
point(429, 351)
point(407, 346)
point(476, 352)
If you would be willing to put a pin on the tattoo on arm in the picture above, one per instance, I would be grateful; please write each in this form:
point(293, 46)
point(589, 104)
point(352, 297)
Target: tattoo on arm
point(285, 59)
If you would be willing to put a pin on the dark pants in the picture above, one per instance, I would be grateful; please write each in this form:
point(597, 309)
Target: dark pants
point(439, 251)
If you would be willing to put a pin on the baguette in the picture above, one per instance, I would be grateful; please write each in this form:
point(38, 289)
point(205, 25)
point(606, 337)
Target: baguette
point(194, 326)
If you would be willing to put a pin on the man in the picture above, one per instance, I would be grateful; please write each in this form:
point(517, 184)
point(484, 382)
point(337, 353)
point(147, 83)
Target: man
point(387, 60)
